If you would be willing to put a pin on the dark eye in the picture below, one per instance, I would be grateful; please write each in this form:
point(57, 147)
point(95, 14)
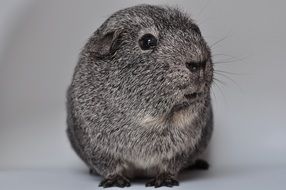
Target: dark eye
point(147, 41)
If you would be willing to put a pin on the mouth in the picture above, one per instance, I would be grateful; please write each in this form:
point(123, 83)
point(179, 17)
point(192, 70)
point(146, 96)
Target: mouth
point(189, 99)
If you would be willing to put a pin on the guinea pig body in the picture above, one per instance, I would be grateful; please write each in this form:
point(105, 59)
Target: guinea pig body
point(139, 102)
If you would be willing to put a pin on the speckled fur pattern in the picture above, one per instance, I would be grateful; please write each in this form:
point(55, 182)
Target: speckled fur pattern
point(127, 113)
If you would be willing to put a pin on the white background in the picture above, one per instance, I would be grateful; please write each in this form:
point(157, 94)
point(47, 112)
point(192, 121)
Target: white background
point(39, 46)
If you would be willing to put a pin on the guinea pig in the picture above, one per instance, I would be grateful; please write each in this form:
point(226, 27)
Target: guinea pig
point(139, 102)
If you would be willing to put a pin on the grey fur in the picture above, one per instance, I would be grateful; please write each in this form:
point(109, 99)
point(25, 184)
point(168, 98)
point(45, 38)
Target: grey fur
point(127, 113)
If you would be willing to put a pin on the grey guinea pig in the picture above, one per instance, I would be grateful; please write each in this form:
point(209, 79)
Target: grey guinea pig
point(139, 102)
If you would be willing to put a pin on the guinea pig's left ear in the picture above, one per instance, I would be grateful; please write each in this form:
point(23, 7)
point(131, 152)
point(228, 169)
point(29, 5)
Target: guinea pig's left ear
point(106, 44)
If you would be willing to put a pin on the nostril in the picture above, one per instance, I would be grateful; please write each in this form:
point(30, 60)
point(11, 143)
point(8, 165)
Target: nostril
point(192, 66)
point(191, 96)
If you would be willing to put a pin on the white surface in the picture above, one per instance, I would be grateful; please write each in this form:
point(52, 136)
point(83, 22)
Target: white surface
point(215, 179)
point(39, 46)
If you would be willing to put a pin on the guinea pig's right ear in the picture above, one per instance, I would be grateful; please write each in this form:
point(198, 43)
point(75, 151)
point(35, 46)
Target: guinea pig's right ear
point(105, 44)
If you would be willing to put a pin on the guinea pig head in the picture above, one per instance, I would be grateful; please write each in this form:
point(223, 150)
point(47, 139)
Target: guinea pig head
point(155, 58)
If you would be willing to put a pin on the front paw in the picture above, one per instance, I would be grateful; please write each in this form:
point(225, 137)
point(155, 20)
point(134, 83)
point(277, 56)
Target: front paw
point(164, 179)
point(200, 165)
point(115, 181)
point(92, 172)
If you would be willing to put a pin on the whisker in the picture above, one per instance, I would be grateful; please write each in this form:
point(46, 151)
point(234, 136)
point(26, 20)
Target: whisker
point(223, 83)
point(218, 87)
point(230, 60)
point(221, 54)
point(226, 72)
point(229, 78)
point(225, 61)
point(204, 7)
point(212, 90)
point(217, 42)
